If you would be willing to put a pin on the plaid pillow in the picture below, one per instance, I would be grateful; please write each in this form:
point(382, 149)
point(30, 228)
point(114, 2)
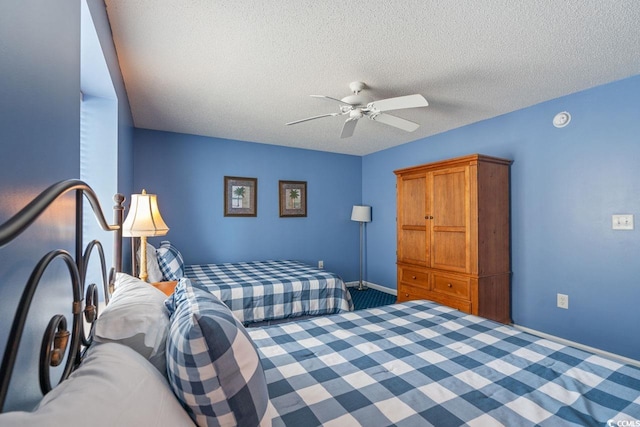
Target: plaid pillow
point(212, 364)
point(170, 261)
point(177, 295)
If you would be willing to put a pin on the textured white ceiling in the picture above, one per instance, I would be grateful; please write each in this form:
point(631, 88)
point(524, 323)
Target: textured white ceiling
point(242, 69)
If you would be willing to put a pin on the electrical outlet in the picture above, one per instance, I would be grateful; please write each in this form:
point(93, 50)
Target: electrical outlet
point(320, 264)
point(563, 301)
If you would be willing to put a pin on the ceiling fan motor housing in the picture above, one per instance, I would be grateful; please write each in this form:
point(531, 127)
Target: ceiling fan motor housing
point(357, 100)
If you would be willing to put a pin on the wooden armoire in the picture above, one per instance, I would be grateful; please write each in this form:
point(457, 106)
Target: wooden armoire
point(453, 235)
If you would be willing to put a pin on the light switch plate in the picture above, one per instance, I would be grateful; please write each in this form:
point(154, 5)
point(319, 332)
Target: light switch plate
point(622, 222)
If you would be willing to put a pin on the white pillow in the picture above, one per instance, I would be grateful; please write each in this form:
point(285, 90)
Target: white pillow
point(114, 386)
point(153, 268)
point(136, 317)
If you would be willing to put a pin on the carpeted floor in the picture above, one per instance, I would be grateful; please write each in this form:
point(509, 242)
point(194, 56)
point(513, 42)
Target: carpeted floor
point(370, 298)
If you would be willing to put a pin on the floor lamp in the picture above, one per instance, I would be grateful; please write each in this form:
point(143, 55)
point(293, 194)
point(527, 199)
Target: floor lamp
point(362, 214)
point(144, 220)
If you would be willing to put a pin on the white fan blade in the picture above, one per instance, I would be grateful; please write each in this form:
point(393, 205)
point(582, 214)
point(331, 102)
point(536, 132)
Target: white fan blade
point(328, 97)
point(394, 121)
point(348, 127)
point(408, 101)
point(313, 118)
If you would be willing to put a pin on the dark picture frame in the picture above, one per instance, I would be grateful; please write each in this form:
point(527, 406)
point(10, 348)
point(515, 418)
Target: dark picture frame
point(293, 198)
point(240, 196)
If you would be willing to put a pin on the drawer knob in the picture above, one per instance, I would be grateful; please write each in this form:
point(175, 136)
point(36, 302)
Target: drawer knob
point(413, 277)
point(406, 295)
point(449, 285)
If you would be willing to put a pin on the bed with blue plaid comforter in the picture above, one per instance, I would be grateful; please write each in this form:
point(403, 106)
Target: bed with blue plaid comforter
point(260, 291)
point(420, 364)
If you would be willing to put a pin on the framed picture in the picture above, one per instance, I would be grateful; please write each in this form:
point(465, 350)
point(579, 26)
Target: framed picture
point(293, 198)
point(240, 196)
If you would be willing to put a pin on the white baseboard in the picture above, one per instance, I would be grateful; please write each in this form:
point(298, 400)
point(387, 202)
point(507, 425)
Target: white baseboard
point(578, 345)
point(373, 286)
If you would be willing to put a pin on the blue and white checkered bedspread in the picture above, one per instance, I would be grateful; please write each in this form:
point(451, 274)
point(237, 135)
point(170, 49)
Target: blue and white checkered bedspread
point(421, 364)
point(269, 290)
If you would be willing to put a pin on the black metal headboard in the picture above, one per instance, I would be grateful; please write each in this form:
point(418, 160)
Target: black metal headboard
point(58, 341)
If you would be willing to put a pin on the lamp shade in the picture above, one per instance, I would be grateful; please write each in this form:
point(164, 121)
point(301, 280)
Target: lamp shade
point(144, 219)
point(361, 213)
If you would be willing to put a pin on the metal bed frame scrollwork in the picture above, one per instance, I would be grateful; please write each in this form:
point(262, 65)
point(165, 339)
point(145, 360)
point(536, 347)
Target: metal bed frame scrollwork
point(57, 340)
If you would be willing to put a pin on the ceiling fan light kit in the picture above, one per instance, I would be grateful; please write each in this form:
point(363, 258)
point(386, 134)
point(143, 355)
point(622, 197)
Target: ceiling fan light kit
point(358, 105)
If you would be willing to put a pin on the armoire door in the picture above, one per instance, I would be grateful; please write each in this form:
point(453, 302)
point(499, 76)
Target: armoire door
point(413, 236)
point(449, 219)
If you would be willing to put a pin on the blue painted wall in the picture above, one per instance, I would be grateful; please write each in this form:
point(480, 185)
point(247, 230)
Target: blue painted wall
point(187, 172)
point(40, 145)
point(565, 185)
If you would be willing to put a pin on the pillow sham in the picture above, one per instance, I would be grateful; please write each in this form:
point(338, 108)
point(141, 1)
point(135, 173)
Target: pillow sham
point(114, 386)
point(170, 261)
point(153, 269)
point(212, 364)
point(136, 317)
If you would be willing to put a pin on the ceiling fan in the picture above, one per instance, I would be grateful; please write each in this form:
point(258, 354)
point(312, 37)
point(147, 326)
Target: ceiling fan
point(357, 106)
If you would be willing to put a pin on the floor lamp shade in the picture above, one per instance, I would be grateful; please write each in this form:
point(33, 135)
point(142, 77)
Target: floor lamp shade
point(144, 220)
point(361, 214)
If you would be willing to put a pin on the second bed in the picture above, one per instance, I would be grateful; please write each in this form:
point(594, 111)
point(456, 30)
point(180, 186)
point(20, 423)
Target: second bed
point(259, 291)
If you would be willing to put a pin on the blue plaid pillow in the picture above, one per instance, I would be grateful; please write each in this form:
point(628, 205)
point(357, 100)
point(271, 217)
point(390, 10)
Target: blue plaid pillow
point(212, 364)
point(170, 261)
point(177, 295)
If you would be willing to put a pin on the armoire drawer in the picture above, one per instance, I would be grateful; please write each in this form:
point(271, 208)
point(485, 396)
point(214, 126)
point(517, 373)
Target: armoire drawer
point(414, 277)
point(449, 285)
point(409, 292)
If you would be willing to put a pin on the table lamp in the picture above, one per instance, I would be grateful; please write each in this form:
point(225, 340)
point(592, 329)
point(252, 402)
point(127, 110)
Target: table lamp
point(144, 220)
